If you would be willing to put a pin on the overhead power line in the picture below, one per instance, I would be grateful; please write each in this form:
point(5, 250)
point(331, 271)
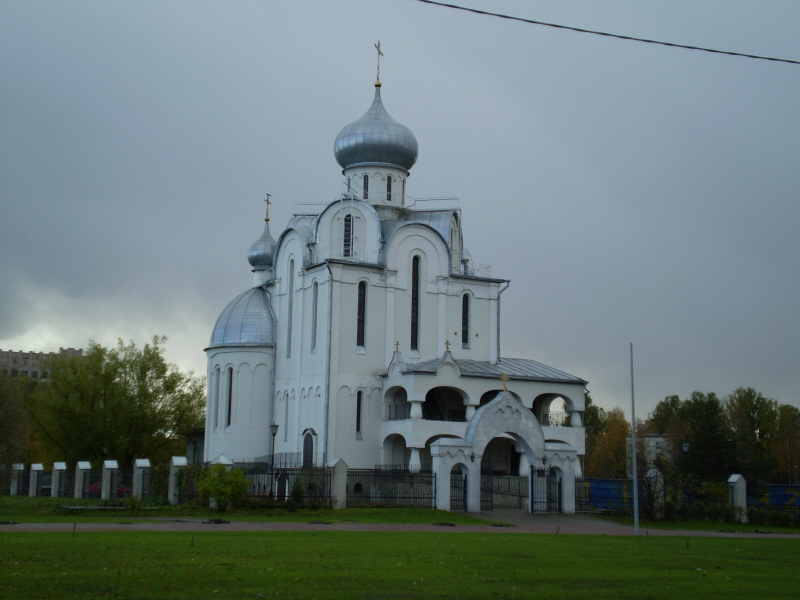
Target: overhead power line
point(603, 33)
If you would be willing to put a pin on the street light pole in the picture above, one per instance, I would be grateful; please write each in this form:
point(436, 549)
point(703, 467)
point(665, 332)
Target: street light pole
point(633, 455)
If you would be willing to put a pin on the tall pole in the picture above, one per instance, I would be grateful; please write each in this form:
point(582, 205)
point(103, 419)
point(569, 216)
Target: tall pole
point(633, 456)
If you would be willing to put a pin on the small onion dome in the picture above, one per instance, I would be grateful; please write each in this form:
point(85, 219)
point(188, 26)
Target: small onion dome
point(262, 253)
point(246, 321)
point(376, 139)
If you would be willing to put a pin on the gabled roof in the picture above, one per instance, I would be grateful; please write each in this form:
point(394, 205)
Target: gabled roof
point(516, 368)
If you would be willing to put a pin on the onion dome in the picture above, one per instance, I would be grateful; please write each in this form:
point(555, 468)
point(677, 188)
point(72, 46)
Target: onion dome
point(376, 139)
point(262, 253)
point(246, 321)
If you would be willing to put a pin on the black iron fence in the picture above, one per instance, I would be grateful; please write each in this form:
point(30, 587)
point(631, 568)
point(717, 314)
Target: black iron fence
point(92, 482)
point(23, 482)
point(390, 488)
point(458, 491)
point(44, 484)
point(121, 483)
point(398, 412)
point(66, 484)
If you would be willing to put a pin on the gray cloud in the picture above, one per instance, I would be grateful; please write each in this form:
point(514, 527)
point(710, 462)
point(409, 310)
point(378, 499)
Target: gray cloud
point(631, 193)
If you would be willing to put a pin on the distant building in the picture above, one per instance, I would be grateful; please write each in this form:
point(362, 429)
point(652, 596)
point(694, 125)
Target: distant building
point(652, 448)
point(35, 365)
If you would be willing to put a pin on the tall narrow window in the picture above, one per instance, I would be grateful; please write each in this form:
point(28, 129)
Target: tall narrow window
point(362, 314)
point(230, 397)
point(286, 416)
point(389, 188)
point(415, 303)
point(215, 391)
point(359, 396)
point(366, 187)
point(403, 199)
point(314, 300)
point(290, 300)
point(465, 321)
point(347, 247)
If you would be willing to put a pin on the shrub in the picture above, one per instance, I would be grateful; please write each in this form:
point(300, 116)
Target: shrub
point(226, 487)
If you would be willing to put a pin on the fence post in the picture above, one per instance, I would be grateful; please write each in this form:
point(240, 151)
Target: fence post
point(175, 465)
point(338, 483)
point(81, 470)
point(36, 470)
point(139, 465)
point(568, 489)
point(105, 487)
point(55, 486)
point(737, 487)
point(13, 490)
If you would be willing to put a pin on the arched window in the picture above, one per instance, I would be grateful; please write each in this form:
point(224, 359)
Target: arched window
point(361, 318)
point(359, 397)
point(286, 416)
point(389, 188)
point(215, 391)
point(290, 297)
point(366, 187)
point(415, 303)
point(347, 247)
point(230, 398)
point(465, 321)
point(314, 300)
point(403, 199)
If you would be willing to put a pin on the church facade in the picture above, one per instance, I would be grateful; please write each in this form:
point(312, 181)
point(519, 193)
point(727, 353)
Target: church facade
point(370, 335)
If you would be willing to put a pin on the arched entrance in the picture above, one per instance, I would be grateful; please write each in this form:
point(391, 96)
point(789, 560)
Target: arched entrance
point(458, 487)
point(308, 451)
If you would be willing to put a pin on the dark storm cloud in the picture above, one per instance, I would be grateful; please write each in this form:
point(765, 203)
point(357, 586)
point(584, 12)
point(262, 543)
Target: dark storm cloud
point(631, 193)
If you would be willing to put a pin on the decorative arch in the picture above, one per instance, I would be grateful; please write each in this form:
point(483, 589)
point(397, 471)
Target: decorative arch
point(395, 451)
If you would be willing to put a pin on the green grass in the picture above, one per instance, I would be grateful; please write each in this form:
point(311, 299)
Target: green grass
point(392, 565)
point(698, 525)
point(46, 510)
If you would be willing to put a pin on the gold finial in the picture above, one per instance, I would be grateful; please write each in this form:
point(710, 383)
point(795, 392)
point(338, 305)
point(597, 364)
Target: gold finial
point(447, 345)
point(397, 346)
point(266, 218)
point(378, 48)
point(504, 379)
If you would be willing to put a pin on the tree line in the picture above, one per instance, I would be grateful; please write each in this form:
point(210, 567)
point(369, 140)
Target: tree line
point(121, 403)
point(706, 438)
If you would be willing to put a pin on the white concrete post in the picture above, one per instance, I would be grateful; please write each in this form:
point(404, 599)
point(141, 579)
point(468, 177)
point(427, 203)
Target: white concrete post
point(175, 465)
point(338, 483)
point(36, 470)
point(568, 490)
point(81, 471)
point(139, 466)
point(109, 466)
point(738, 495)
point(575, 419)
point(473, 486)
point(58, 469)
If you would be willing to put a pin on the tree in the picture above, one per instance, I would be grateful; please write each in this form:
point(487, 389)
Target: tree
point(787, 445)
point(13, 426)
point(226, 487)
point(117, 403)
point(712, 452)
point(754, 424)
point(609, 454)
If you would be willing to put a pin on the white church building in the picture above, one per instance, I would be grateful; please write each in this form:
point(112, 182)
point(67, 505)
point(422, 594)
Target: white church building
point(371, 336)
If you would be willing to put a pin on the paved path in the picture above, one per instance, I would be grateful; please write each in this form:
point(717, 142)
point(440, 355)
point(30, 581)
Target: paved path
point(541, 523)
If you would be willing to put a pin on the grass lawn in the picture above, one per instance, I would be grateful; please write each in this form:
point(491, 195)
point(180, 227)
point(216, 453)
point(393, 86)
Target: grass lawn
point(45, 510)
point(698, 525)
point(392, 565)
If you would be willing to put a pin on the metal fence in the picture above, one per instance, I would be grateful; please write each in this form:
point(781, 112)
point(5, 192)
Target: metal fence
point(23, 482)
point(44, 484)
point(92, 482)
point(66, 484)
point(121, 483)
point(398, 412)
point(390, 488)
point(545, 491)
point(785, 498)
point(458, 491)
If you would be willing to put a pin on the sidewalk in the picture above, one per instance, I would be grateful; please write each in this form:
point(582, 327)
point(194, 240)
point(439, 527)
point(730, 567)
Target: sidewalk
point(537, 523)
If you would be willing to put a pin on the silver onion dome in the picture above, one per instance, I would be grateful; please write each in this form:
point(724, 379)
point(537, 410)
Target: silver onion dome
point(376, 139)
point(262, 253)
point(246, 321)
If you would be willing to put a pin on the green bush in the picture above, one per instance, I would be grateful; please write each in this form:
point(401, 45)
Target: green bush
point(226, 487)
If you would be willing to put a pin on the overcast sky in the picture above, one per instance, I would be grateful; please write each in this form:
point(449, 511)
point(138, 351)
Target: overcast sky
point(631, 192)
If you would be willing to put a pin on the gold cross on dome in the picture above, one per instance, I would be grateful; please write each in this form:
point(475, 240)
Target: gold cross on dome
point(504, 379)
point(447, 345)
point(397, 346)
point(378, 48)
point(266, 218)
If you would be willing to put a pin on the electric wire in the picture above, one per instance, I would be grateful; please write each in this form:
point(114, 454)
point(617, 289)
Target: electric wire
point(606, 34)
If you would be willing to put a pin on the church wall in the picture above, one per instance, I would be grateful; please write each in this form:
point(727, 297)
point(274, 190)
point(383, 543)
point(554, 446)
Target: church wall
point(247, 436)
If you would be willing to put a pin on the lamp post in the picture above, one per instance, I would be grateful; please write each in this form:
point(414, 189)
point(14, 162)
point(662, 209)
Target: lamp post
point(274, 428)
point(685, 448)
